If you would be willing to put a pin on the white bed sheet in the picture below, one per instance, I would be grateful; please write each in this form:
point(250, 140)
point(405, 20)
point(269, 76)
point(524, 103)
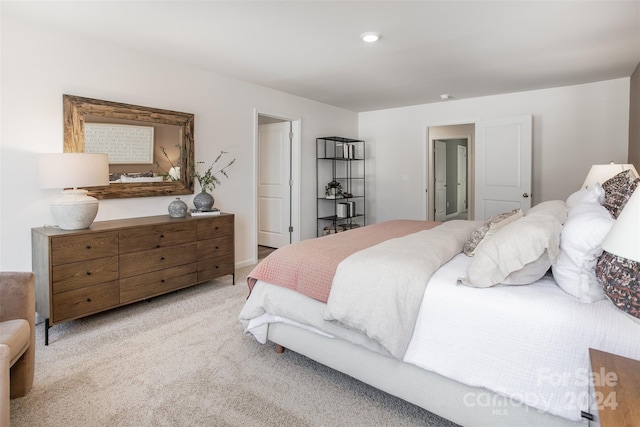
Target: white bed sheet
point(275, 304)
point(529, 343)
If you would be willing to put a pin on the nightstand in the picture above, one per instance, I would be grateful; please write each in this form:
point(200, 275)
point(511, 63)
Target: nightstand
point(617, 388)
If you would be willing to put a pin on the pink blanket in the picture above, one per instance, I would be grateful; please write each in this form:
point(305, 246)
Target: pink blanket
point(309, 266)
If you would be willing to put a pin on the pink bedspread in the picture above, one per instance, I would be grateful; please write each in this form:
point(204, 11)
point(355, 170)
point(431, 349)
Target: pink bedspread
point(309, 266)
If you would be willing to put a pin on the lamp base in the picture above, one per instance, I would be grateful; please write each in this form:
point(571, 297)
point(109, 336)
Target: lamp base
point(74, 210)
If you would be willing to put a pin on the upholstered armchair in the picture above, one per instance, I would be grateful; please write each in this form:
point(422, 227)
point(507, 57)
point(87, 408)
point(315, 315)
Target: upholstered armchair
point(17, 338)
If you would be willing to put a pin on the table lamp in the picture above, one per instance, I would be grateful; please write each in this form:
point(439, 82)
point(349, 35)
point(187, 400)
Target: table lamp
point(623, 239)
point(74, 210)
point(618, 268)
point(601, 173)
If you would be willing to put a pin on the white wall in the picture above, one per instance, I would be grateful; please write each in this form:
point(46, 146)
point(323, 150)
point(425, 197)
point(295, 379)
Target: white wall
point(39, 65)
point(573, 128)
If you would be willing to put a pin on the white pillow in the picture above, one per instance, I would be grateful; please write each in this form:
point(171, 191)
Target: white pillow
point(513, 248)
point(554, 208)
point(592, 195)
point(580, 246)
point(530, 272)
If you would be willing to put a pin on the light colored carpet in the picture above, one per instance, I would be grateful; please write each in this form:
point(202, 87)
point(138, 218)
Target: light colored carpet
point(183, 360)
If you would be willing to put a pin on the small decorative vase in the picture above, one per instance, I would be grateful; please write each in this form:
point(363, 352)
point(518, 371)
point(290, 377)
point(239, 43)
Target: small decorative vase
point(203, 201)
point(177, 208)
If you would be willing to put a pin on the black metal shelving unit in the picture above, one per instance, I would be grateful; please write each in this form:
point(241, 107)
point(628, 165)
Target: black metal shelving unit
point(340, 160)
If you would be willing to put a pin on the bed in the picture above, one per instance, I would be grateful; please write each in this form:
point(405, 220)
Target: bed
point(482, 323)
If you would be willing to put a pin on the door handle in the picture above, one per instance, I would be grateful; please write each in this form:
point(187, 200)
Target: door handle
point(525, 195)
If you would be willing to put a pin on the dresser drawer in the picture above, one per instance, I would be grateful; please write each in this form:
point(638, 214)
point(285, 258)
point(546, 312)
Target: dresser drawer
point(65, 277)
point(65, 249)
point(215, 267)
point(146, 285)
point(215, 247)
point(159, 236)
point(209, 228)
point(84, 301)
point(142, 262)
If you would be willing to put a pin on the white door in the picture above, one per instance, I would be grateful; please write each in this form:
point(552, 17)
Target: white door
point(502, 166)
point(462, 179)
point(274, 154)
point(440, 167)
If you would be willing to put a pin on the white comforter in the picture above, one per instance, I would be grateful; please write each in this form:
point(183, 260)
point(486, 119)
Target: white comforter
point(387, 281)
point(529, 343)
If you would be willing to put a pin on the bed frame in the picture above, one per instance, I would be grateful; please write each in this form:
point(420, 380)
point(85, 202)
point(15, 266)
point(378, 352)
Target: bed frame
point(442, 396)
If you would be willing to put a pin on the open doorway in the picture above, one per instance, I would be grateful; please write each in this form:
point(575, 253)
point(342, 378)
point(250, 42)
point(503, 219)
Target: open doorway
point(277, 196)
point(450, 172)
point(451, 179)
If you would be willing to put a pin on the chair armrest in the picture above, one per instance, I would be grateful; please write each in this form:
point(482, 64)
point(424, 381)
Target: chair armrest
point(17, 296)
point(4, 385)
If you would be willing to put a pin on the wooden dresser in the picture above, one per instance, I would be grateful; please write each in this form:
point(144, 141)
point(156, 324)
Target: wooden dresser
point(118, 262)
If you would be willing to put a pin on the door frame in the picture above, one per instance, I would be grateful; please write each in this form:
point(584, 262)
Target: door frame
point(465, 150)
point(296, 128)
point(428, 196)
point(437, 168)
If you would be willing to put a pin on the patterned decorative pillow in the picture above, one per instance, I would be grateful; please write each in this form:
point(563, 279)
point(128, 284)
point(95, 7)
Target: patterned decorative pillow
point(619, 279)
point(490, 227)
point(618, 190)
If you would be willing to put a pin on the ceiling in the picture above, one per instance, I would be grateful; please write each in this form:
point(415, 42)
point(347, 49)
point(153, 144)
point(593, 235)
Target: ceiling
point(313, 48)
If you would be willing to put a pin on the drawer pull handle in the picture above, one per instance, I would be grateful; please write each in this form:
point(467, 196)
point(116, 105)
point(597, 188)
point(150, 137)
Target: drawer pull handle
point(162, 235)
point(161, 258)
point(217, 266)
point(88, 273)
point(88, 299)
point(158, 246)
point(88, 246)
point(162, 281)
point(217, 248)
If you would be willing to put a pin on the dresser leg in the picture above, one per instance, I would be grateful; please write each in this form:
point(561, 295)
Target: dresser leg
point(46, 331)
point(233, 279)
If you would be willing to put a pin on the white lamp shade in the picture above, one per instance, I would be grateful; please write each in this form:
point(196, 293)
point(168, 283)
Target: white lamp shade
point(601, 173)
point(624, 237)
point(72, 170)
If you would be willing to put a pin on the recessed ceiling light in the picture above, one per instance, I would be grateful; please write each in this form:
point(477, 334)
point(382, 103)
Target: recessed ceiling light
point(370, 37)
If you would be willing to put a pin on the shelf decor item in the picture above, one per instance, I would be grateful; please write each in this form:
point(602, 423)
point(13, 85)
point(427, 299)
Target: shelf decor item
point(333, 190)
point(212, 212)
point(208, 181)
point(177, 208)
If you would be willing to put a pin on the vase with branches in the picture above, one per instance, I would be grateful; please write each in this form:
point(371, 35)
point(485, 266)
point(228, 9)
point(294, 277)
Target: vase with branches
point(173, 174)
point(208, 180)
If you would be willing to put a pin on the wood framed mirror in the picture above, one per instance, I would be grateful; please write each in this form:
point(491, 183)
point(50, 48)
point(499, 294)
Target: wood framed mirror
point(143, 144)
